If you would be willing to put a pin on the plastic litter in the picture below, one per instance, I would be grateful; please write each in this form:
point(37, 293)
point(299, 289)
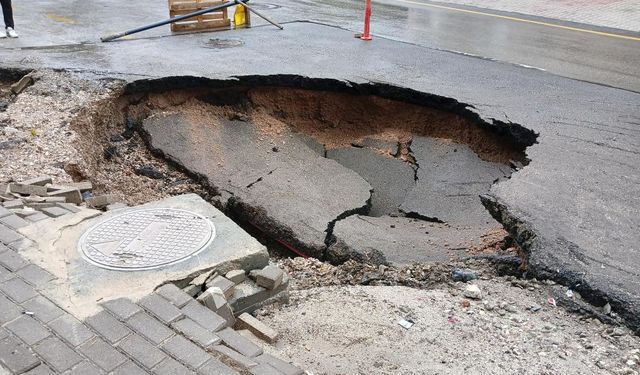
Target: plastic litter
point(406, 324)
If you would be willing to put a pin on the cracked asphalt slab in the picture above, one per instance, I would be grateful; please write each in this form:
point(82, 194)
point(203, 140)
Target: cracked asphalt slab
point(574, 206)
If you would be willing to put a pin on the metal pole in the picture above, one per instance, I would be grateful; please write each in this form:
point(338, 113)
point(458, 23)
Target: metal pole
point(167, 21)
point(242, 2)
point(367, 18)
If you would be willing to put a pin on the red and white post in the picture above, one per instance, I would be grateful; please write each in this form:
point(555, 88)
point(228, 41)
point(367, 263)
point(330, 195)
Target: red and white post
point(366, 35)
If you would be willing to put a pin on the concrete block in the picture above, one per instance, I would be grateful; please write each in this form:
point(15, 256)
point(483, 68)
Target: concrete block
point(18, 290)
point(269, 277)
point(123, 308)
point(248, 296)
point(69, 207)
point(215, 367)
point(102, 354)
point(101, 201)
point(203, 316)
point(242, 360)
point(261, 330)
point(108, 327)
point(17, 357)
point(171, 367)
point(224, 284)
point(13, 204)
point(22, 84)
point(54, 211)
point(82, 186)
point(214, 299)
point(186, 352)
point(145, 353)
point(57, 354)
point(71, 329)
point(239, 343)
point(174, 294)
point(28, 329)
point(264, 369)
point(14, 221)
point(35, 275)
point(195, 332)
point(161, 308)
point(280, 365)
point(42, 309)
point(27, 189)
point(4, 211)
point(12, 260)
point(149, 327)
point(8, 235)
point(38, 181)
point(8, 310)
point(39, 216)
point(237, 276)
point(71, 195)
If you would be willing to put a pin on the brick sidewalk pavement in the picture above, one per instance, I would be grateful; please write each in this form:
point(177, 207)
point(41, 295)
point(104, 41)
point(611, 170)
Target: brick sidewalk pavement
point(619, 14)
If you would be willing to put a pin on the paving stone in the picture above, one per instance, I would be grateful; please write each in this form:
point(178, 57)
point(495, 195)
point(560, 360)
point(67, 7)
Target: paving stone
point(38, 216)
point(140, 349)
point(282, 366)
point(192, 290)
point(161, 308)
point(82, 186)
point(12, 260)
point(8, 310)
point(214, 299)
point(171, 367)
point(108, 326)
point(14, 221)
point(40, 370)
point(85, 368)
point(243, 360)
point(17, 357)
point(71, 195)
point(18, 290)
point(264, 369)
point(41, 205)
point(38, 181)
point(224, 284)
point(57, 354)
point(269, 277)
point(195, 332)
point(239, 343)
point(3, 333)
point(102, 354)
point(13, 204)
point(25, 212)
point(5, 274)
point(174, 294)
point(54, 211)
point(71, 329)
point(69, 207)
point(248, 296)
point(129, 368)
point(42, 309)
point(35, 275)
point(203, 316)
point(28, 329)
point(237, 276)
point(122, 307)
point(4, 211)
point(149, 327)
point(186, 352)
point(27, 189)
point(8, 235)
point(215, 367)
point(261, 330)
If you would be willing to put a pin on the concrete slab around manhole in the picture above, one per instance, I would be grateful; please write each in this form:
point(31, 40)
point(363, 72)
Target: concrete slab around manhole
point(82, 284)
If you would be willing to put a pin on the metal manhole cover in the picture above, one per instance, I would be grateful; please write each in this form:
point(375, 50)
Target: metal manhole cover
point(146, 239)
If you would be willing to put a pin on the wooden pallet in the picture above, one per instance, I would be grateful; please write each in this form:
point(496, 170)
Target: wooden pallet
point(209, 21)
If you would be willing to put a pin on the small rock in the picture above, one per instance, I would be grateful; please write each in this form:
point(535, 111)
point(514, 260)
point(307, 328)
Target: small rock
point(606, 309)
point(510, 308)
point(463, 275)
point(473, 291)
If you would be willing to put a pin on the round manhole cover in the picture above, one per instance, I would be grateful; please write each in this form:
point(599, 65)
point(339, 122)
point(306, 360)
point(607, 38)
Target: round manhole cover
point(146, 239)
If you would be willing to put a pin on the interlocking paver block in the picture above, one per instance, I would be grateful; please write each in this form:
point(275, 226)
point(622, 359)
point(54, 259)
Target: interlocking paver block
point(102, 354)
point(171, 367)
point(71, 329)
point(5, 274)
point(122, 307)
point(85, 368)
point(215, 367)
point(161, 308)
point(264, 369)
point(15, 356)
point(69, 207)
point(4, 211)
point(39, 181)
point(8, 310)
point(129, 368)
point(42, 309)
point(71, 195)
point(54, 211)
point(140, 349)
point(149, 327)
point(237, 276)
point(195, 332)
point(203, 316)
point(261, 330)
point(35, 275)
point(24, 189)
point(186, 352)
point(14, 221)
point(239, 343)
point(282, 366)
point(13, 204)
point(38, 216)
point(235, 356)
point(174, 294)
point(28, 329)
point(8, 235)
point(224, 284)
point(40, 370)
point(18, 290)
point(108, 326)
point(12, 260)
point(269, 277)
point(57, 354)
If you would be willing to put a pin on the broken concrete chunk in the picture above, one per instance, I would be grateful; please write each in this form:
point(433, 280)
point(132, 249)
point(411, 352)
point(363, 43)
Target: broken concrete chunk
point(13, 204)
point(28, 189)
point(72, 195)
point(473, 291)
point(39, 181)
point(102, 201)
point(82, 186)
point(192, 290)
point(24, 212)
point(269, 277)
point(237, 276)
point(22, 84)
point(224, 284)
point(261, 330)
point(214, 299)
point(235, 356)
point(54, 211)
point(201, 279)
point(249, 296)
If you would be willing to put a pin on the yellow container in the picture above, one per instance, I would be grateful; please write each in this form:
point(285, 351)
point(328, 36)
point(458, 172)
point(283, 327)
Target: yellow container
point(241, 17)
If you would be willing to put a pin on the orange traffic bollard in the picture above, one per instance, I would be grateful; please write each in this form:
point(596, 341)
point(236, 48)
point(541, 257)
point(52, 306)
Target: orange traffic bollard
point(367, 18)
